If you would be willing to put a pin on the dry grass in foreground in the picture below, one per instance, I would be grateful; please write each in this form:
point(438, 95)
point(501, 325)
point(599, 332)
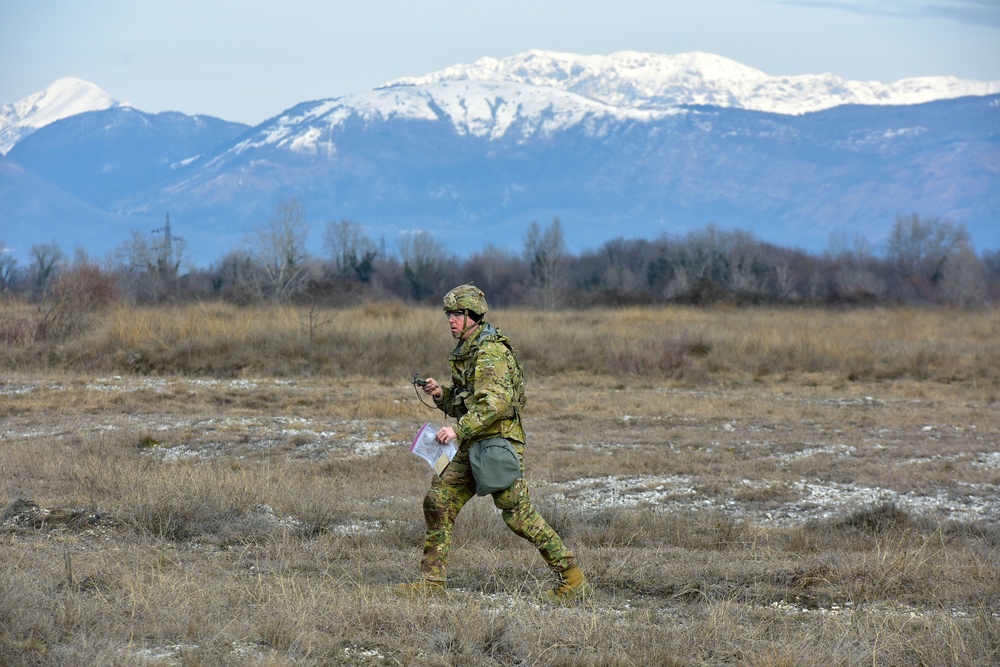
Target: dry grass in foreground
point(803, 489)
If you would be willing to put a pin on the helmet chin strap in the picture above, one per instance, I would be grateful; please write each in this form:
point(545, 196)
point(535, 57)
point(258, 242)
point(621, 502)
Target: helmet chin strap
point(468, 324)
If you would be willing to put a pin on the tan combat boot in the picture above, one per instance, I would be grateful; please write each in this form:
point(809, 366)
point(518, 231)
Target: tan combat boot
point(419, 588)
point(574, 586)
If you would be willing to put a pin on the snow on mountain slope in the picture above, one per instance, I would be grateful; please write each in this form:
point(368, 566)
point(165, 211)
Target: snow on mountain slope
point(653, 81)
point(543, 89)
point(486, 109)
point(63, 98)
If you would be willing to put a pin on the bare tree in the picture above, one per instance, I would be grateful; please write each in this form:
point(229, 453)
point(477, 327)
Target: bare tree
point(352, 252)
point(8, 264)
point(497, 271)
point(625, 270)
point(963, 281)
point(142, 276)
point(545, 252)
point(707, 263)
point(679, 284)
point(918, 248)
point(741, 254)
point(698, 258)
point(131, 260)
point(855, 275)
point(280, 250)
point(784, 280)
point(237, 278)
point(45, 261)
point(991, 273)
point(424, 263)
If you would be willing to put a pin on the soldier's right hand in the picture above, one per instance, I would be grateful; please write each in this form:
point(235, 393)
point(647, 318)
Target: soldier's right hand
point(432, 388)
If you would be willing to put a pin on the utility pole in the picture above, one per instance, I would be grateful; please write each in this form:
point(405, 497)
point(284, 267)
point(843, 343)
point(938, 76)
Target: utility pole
point(166, 258)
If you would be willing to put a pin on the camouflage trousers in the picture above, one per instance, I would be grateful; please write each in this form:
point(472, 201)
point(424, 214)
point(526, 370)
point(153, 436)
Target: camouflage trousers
point(456, 486)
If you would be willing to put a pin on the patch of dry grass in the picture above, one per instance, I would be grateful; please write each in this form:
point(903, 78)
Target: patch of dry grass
point(239, 516)
point(390, 340)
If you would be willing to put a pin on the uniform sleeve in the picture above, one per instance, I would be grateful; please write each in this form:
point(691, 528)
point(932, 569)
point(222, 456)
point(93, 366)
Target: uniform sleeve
point(494, 390)
point(445, 402)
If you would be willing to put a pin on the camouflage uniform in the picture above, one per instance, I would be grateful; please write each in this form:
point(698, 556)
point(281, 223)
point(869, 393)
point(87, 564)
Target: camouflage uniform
point(486, 396)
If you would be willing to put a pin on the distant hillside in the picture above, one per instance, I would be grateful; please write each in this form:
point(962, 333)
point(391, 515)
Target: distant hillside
point(474, 154)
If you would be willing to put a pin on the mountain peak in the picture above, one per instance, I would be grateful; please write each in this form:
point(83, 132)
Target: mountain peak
point(539, 67)
point(655, 81)
point(60, 99)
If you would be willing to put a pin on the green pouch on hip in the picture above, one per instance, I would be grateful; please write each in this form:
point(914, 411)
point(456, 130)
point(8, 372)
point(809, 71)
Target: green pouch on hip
point(495, 465)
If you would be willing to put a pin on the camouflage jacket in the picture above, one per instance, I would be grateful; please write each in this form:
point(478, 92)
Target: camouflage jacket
point(487, 389)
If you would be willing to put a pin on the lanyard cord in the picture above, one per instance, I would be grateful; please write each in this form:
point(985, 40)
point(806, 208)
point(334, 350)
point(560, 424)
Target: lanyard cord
point(417, 382)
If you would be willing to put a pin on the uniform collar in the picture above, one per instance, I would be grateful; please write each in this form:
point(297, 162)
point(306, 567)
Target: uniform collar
point(465, 346)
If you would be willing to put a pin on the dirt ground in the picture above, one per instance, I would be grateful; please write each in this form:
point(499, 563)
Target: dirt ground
point(140, 509)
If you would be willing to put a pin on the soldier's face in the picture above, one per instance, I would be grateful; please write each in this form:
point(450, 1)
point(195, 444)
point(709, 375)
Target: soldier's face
point(460, 324)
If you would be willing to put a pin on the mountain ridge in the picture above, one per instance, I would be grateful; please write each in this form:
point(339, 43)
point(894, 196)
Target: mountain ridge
point(630, 79)
point(477, 158)
point(645, 80)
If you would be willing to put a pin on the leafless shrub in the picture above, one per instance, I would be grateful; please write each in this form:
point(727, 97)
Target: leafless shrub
point(76, 296)
point(17, 331)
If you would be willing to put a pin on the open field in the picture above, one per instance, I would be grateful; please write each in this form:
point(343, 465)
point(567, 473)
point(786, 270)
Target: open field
point(755, 487)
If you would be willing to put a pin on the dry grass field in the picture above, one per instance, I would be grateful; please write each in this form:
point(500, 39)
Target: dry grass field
point(208, 485)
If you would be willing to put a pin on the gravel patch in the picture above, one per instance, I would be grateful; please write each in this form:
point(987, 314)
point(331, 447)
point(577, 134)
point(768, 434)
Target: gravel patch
point(818, 500)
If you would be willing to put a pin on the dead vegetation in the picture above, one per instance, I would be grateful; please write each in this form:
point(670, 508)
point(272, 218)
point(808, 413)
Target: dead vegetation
point(803, 488)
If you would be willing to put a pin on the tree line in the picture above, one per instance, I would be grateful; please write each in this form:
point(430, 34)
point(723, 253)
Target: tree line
point(923, 261)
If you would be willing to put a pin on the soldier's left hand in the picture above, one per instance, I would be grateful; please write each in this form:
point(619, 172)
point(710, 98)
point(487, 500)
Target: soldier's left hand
point(446, 434)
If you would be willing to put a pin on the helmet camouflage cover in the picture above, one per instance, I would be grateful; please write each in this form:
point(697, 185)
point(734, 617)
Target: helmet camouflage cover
point(466, 297)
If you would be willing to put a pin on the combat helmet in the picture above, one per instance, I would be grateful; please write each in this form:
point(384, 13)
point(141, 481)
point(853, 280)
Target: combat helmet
point(466, 297)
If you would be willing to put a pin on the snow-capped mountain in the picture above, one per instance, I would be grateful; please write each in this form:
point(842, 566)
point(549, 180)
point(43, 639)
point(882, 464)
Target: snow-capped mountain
point(654, 81)
point(627, 145)
point(107, 155)
point(485, 109)
point(61, 99)
point(472, 161)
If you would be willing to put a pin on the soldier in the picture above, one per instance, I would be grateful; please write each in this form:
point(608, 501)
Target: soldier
point(486, 396)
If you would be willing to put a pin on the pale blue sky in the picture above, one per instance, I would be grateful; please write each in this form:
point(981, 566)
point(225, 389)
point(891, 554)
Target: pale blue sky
point(248, 60)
